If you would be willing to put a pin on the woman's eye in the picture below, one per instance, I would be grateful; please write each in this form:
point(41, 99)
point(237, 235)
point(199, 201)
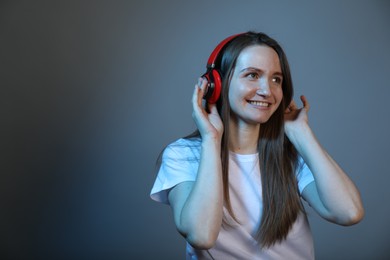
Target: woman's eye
point(253, 75)
point(277, 80)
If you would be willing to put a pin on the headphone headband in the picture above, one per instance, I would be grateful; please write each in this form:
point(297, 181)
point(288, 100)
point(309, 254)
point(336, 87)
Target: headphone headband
point(216, 51)
point(212, 75)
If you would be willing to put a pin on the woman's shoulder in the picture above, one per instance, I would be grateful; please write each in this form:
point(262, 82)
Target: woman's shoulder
point(186, 142)
point(183, 147)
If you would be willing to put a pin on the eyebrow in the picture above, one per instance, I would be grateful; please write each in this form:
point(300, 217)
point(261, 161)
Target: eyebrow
point(278, 73)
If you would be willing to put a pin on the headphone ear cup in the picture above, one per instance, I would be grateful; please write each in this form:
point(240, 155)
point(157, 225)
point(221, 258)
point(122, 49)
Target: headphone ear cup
point(217, 87)
point(212, 75)
point(214, 86)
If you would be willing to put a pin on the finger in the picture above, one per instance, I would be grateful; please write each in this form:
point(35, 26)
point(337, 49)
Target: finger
point(196, 99)
point(292, 106)
point(212, 108)
point(203, 85)
point(195, 95)
point(305, 103)
point(198, 92)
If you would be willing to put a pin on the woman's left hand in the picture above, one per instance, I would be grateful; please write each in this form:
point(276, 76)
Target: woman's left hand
point(296, 118)
point(332, 195)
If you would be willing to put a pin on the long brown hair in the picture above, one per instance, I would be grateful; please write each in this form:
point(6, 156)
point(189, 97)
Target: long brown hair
point(277, 156)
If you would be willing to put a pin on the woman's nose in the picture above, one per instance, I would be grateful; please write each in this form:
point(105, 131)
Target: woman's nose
point(263, 88)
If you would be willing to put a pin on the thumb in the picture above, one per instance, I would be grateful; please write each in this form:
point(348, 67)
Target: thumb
point(212, 108)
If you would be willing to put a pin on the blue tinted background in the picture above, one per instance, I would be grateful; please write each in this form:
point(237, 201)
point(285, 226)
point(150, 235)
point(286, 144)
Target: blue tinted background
point(91, 91)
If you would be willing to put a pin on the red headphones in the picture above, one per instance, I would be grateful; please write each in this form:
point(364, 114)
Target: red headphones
point(212, 75)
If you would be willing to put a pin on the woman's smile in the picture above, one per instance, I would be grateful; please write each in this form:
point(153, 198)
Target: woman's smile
point(259, 104)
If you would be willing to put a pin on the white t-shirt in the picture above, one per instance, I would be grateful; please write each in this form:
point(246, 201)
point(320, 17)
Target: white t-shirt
point(180, 163)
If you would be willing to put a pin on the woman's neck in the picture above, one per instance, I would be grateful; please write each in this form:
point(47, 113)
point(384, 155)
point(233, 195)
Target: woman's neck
point(243, 138)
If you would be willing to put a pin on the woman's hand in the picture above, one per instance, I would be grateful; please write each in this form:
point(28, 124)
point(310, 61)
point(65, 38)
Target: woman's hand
point(198, 205)
point(209, 124)
point(296, 119)
point(333, 195)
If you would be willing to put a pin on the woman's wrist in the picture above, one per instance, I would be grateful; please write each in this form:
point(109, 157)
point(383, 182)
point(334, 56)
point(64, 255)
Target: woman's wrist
point(300, 136)
point(211, 142)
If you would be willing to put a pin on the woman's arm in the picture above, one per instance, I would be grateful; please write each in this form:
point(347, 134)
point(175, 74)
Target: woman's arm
point(197, 206)
point(333, 195)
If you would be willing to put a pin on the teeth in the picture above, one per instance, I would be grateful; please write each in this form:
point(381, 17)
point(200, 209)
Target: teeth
point(259, 103)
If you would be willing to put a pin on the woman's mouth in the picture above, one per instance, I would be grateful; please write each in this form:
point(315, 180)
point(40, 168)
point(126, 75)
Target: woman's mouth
point(258, 103)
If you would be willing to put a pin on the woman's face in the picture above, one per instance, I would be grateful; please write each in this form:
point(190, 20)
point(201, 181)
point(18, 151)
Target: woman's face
point(256, 85)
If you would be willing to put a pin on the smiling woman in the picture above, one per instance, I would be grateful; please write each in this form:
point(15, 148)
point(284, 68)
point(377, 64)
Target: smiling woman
point(235, 185)
point(256, 86)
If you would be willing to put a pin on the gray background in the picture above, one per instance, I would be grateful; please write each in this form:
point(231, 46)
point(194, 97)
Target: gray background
point(91, 91)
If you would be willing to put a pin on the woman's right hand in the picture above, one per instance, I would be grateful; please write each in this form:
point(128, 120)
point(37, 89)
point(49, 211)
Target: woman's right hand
point(209, 124)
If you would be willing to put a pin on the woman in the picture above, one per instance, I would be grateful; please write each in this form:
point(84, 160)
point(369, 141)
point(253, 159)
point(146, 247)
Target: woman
point(235, 184)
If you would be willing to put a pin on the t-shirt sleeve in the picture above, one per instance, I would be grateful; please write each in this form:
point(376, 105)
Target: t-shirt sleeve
point(176, 166)
point(304, 176)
